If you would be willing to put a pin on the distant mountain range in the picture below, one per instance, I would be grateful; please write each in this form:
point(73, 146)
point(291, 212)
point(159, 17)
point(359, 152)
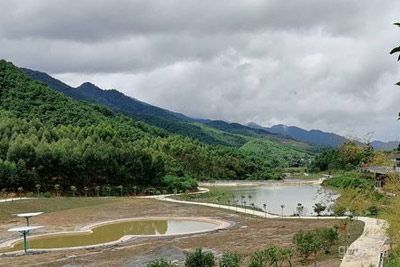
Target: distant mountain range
point(317, 137)
point(214, 132)
point(385, 145)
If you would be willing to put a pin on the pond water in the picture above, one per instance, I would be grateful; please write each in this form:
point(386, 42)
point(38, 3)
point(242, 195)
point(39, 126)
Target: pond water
point(288, 195)
point(112, 232)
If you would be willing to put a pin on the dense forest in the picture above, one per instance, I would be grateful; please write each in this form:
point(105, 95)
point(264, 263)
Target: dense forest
point(50, 139)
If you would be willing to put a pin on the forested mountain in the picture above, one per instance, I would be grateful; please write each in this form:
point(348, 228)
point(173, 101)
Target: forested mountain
point(49, 138)
point(111, 98)
point(207, 131)
point(168, 120)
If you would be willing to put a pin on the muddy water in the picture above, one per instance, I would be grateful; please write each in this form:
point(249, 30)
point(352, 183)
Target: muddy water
point(112, 232)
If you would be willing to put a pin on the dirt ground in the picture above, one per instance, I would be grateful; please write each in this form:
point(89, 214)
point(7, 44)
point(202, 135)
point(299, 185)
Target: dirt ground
point(247, 235)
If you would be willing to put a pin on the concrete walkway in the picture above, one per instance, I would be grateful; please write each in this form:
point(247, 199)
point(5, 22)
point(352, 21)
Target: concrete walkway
point(366, 251)
point(13, 199)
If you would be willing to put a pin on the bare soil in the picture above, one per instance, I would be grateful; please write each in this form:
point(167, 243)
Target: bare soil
point(247, 235)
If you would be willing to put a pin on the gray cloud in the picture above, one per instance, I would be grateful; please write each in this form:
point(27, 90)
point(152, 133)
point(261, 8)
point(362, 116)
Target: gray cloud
point(312, 63)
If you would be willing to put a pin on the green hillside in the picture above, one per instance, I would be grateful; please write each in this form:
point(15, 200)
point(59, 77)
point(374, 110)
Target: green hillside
point(48, 138)
point(277, 155)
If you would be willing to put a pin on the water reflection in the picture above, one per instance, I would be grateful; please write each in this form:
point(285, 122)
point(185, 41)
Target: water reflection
point(288, 196)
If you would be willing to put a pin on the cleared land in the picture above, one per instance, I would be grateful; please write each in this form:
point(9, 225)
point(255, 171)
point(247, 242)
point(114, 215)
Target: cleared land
point(248, 234)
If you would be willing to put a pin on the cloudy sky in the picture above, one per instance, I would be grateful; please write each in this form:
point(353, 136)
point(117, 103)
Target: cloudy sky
point(311, 63)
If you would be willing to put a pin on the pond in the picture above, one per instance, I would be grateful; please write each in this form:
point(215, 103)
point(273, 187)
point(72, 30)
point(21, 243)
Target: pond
point(290, 196)
point(114, 231)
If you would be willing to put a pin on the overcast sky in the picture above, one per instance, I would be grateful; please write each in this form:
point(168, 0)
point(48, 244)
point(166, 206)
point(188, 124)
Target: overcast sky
point(310, 63)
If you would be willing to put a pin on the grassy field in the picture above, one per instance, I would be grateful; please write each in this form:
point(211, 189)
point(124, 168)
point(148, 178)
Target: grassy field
point(248, 234)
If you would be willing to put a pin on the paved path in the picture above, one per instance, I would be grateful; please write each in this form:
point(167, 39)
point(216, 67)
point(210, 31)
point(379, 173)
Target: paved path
point(367, 249)
point(363, 252)
point(13, 199)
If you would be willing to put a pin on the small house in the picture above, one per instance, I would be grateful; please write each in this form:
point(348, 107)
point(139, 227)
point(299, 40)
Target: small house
point(396, 162)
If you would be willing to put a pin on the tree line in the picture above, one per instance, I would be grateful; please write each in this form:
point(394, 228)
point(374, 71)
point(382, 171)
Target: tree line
point(348, 156)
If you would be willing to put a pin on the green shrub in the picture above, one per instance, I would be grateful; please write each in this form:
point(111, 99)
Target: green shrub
point(352, 181)
point(394, 260)
point(199, 258)
point(339, 210)
point(229, 260)
point(312, 242)
point(160, 263)
point(307, 243)
point(174, 183)
point(328, 237)
point(258, 259)
point(272, 256)
point(373, 210)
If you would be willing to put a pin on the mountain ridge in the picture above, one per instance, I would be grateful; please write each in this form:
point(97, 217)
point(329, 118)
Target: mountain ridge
point(319, 137)
point(234, 134)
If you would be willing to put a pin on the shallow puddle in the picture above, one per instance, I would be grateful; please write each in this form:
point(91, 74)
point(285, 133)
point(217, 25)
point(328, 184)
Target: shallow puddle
point(114, 231)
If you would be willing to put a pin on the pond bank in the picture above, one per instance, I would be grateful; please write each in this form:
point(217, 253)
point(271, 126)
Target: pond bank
point(263, 182)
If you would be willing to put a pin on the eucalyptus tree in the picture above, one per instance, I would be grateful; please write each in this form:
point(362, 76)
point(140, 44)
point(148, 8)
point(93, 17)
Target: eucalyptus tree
point(38, 186)
point(265, 209)
point(121, 190)
point(319, 208)
point(57, 187)
point(97, 189)
point(134, 188)
point(86, 189)
point(299, 209)
point(394, 51)
point(108, 189)
point(253, 206)
point(20, 190)
point(282, 207)
point(73, 190)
